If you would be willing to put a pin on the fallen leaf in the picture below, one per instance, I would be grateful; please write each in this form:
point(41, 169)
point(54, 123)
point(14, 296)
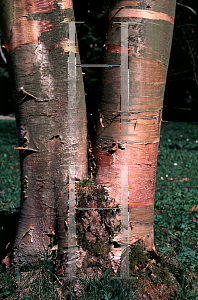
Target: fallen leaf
point(193, 208)
point(184, 179)
point(6, 262)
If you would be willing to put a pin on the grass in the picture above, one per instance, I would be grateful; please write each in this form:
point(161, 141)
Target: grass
point(9, 165)
point(9, 183)
point(176, 196)
point(176, 225)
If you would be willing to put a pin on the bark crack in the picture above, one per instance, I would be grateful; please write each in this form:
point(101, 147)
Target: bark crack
point(27, 231)
point(55, 137)
point(47, 204)
point(110, 150)
point(110, 121)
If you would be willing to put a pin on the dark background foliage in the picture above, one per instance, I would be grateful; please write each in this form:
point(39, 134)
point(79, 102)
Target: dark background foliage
point(181, 95)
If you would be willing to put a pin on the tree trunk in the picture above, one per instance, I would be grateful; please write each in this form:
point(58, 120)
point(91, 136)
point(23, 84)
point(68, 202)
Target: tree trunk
point(50, 116)
point(128, 128)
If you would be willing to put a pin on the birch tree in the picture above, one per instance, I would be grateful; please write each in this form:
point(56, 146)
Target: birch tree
point(130, 105)
point(50, 115)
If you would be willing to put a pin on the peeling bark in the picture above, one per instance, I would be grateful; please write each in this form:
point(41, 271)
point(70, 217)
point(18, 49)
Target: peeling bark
point(37, 43)
point(149, 42)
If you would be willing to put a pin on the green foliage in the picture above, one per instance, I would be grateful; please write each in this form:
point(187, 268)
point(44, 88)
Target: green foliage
point(107, 288)
point(35, 282)
point(176, 219)
point(39, 283)
point(176, 215)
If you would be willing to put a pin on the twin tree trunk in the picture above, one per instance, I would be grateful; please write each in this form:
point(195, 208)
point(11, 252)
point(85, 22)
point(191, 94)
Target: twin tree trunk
point(130, 106)
point(52, 128)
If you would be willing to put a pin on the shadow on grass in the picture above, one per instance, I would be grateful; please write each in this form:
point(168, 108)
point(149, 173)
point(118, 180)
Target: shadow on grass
point(8, 227)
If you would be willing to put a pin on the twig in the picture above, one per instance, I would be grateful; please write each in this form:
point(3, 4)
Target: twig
point(2, 54)
point(194, 12)
point(193, 59)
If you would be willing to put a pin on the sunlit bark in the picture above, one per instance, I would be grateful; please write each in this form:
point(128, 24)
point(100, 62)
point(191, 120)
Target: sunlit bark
point(52, 132)
point(150, 31)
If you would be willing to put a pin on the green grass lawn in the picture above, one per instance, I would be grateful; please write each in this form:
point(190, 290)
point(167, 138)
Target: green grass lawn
point(176, 202)
point(176, 195)
point(9, 166)
point(9, 183)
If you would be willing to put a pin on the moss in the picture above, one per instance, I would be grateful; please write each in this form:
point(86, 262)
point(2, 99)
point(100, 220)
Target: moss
point(137, 256)
point(94, 223)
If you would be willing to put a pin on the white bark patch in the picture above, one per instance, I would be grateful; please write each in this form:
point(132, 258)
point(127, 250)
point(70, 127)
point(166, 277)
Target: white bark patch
point(42, 61)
